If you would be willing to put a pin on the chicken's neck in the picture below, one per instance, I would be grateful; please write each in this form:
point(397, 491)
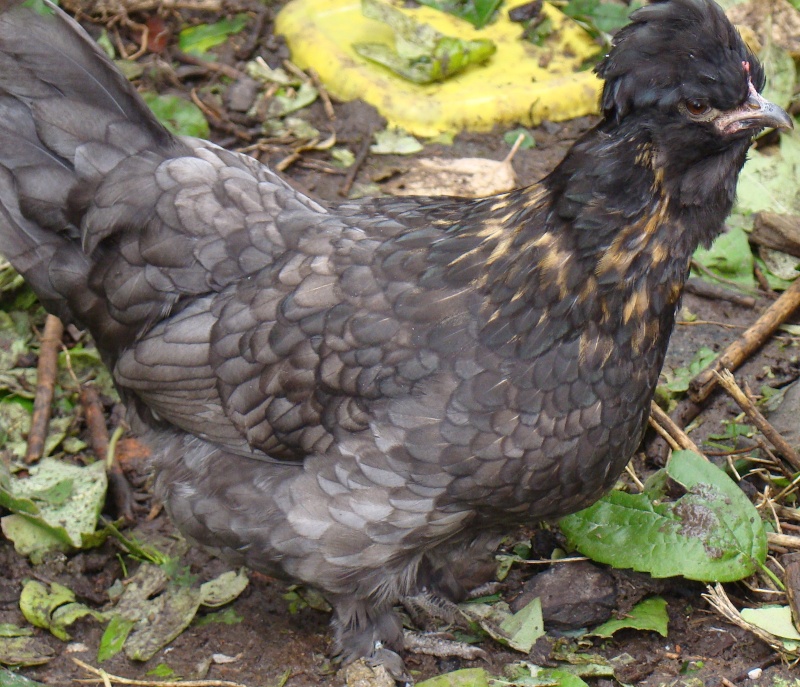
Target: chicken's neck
point(604, 241)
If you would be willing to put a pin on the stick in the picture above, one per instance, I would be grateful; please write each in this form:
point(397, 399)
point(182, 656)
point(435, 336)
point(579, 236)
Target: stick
point(102, 675)
point(788, 541)
point(98, 435)
point(361, 157)
point(752, 339)
point(45, 384)
point(715, 292)
point(677, 435)
point(725, 378)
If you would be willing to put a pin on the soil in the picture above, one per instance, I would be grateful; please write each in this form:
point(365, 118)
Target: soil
point(273, 646)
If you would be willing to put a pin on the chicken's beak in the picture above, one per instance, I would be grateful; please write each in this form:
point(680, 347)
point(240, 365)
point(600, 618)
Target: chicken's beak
point(756, 113)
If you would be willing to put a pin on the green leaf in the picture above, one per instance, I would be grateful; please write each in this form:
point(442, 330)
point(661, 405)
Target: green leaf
point(179, 116)
point(679, 378)
point(525, 626)
point(23, 651)
point(467, 677)
point(162, 670)
point(393, 141)
point(768, 182)
point(777, 620)
point(712, 533)
point(650, 614)
point(289, 99)
point(9, 679)
point(227, 616)
point(223, 589)
point(54, 523)
point(525, 674)
point(781, 73)
point(420, 54)
point(528, 141)
point(199, 39)
point(477, 12)
point(114, 637)
point(729, 256)
point(600, 17)
point(160, 608)
point(52, 609)
point(39, 6)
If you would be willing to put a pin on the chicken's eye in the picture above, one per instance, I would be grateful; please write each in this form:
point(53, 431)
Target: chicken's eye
point(696, 107)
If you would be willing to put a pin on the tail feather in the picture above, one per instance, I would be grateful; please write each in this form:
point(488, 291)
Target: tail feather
point(67, 119)
point(49, 55)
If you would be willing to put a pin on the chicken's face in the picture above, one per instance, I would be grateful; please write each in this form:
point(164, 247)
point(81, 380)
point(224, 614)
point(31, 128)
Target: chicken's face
point(683, 90)
point(682, 70)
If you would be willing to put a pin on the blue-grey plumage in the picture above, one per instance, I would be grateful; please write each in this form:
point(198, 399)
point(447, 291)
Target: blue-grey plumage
point(362, 397)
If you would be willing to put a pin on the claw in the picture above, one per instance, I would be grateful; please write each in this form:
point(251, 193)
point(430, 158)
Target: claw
point(391, 662)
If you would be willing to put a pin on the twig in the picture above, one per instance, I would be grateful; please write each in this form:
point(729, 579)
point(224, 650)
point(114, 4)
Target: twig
point(791, 576)
point(98, 436)
point(678, 436)
point(786, 540)
point(45, 385)
point(323, 94)
point(726, 380)
point(102, 676)
point(697, 323)
point(361, 157)
point(713, 291)
point(632, 474)
point(750, 341)
point(718, 599)
point(254, 34)
point(220, 67)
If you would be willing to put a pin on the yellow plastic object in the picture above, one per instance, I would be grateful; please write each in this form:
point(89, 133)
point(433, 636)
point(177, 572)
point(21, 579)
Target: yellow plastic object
point(521, 82)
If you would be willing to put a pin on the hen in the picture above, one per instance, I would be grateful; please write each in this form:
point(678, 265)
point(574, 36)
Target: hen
point(364, 397)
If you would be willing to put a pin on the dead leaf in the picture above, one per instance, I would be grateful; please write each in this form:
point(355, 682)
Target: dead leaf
point(466, 177)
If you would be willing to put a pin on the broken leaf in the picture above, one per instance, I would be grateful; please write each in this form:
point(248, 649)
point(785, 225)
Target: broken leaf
point(153, 609)
point(729, 256)
point(61, 521)
point(678, 379)
point(290, 99)
point(260, 70)
point(780, 264)
point(477, 12)
point(650, 614)
point(781, 74)
point(712, 532)
point(524, 674)
point(199, 39)
point(9, 679)
point(114, 637)
point(395, 142)
point(19, 648)
point(466, 677)
point(525, 626)
point(768, 182)
point(420, 54)
point(52, 609)
point(517, 630)
point(223, 589)
point(777, 620)
point(469, 177)
point(180, 116)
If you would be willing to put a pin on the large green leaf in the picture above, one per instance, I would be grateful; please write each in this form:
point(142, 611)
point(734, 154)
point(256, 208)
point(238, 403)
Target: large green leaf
point(711, 533)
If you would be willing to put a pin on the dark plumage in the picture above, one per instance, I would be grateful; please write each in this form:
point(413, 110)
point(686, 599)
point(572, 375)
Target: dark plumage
point(364, 397)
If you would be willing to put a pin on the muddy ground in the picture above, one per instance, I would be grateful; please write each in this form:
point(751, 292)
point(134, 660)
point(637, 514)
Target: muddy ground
point(273, 646)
